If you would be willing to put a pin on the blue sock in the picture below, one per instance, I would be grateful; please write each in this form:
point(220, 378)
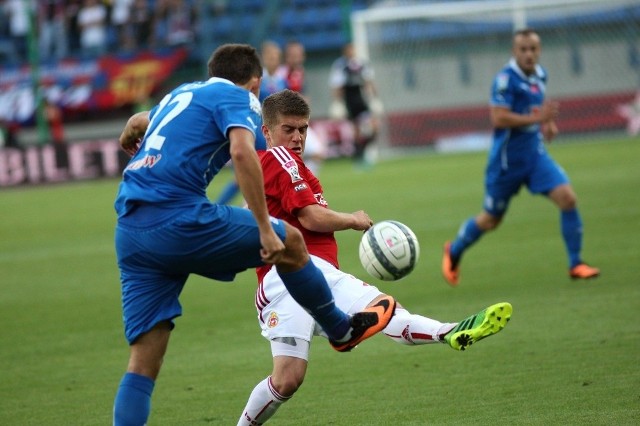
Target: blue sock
point(468, 234)
point(571, 226)
point(133, 401)
point(228, 193)
point(309, 288)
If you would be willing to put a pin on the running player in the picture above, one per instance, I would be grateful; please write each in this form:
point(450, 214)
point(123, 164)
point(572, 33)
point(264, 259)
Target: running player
point(522, 120)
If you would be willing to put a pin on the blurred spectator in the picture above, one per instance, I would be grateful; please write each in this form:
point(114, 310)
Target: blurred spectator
point(7, 50)
point(272, 81)
point(52, 24)
point(141, 21)
point(73, 29)
point(54, 117)
point(293, 68)
point(92, 20)
point(175, 22)
point(218, 7)
point(120, 19)
point(55, 122)
point(9, 134)
point(18, 15)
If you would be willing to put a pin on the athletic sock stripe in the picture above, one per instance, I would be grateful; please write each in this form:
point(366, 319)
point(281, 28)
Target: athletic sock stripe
point(275, 393)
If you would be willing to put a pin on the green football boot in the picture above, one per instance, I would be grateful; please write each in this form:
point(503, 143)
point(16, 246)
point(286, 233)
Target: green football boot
point(483, 324)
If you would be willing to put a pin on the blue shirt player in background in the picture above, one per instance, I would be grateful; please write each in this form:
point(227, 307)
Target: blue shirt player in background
point(522, 120)
point(167, 228)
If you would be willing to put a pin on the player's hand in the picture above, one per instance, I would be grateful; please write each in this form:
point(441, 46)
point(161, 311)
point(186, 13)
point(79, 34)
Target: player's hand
point(376, 106)
point(549, 131)
point(129, 143)
point(272, 247)
point(549, 111)
point(134, 130)
point(362, 221)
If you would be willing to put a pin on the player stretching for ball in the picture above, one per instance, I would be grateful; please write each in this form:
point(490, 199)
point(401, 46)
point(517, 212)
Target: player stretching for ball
point(168, 229)
point(295, 195)
point(521, 119)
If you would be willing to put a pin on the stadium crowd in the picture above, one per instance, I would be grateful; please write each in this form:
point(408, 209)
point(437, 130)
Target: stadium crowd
point(90, 28)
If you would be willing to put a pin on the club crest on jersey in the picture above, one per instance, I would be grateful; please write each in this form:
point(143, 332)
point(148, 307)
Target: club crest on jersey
point(273, 319)
point(502, 81)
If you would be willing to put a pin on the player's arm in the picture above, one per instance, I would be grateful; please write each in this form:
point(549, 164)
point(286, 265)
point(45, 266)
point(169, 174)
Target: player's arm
point(249, 176)
point(133, 132)
point(502, 117)
point(320, 219)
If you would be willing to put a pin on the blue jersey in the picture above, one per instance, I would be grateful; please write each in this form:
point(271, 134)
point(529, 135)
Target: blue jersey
point(186, 144)
point(522, 94)
point(271, 84)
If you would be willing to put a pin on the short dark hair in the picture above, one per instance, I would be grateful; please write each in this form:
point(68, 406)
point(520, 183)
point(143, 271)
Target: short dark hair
point(284, 103)
point(237, 63)
point(525, 32)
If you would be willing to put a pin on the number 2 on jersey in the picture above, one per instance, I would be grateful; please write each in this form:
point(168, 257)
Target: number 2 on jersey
point(181, 102)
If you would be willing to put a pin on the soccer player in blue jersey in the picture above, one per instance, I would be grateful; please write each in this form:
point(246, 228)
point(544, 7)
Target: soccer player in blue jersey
point(522, 120)
point(167, 229)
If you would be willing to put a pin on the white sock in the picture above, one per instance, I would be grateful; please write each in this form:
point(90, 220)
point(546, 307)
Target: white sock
point(263, 403)
point(410, 329)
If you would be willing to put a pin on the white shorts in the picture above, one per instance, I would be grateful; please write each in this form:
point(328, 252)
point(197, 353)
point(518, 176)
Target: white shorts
point(280, 316)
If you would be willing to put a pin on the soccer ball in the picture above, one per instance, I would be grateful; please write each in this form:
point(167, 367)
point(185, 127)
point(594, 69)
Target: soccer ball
point(389, 250)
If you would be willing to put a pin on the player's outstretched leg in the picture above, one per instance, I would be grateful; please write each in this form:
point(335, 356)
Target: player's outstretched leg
point(483, 324)
point(367, 323)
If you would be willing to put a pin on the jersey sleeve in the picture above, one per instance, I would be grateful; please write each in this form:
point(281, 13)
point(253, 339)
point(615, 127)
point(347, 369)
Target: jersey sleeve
point(286, 179)
point(501, 91)
point(240, 109)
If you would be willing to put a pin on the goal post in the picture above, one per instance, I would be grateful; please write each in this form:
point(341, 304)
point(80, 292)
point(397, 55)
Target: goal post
point(434, 63)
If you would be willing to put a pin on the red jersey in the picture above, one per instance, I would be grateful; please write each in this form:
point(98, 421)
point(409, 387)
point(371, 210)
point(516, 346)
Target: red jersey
point(289, 186)
point(293, 76)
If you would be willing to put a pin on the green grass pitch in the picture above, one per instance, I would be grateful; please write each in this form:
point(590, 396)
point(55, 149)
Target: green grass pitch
point(569, 355)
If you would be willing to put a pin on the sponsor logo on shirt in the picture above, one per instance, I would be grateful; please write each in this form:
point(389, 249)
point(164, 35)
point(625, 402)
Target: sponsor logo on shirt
point(300, 187)
point(146, 161)
point(292, 168)
point(320, 199)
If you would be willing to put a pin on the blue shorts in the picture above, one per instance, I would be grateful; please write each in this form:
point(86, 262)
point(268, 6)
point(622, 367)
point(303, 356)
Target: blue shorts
point(155, 260)
point(540, 176)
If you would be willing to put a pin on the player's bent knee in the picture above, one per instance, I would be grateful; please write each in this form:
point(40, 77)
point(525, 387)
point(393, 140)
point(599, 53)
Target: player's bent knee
point(294, 244)
point(288, 385)
point(488, 222)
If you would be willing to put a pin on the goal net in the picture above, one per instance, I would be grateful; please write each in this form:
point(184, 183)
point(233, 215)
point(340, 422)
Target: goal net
point(434, 64)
